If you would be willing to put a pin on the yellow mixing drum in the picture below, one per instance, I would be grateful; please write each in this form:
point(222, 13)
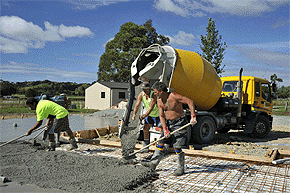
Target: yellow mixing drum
point(186, 72)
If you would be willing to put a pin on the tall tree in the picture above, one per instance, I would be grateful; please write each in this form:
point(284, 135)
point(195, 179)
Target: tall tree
point(120, 53)
point(213, 49)
point(275, 79)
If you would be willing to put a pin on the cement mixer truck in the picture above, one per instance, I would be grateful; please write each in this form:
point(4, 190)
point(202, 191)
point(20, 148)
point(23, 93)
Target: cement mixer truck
point(234, 102)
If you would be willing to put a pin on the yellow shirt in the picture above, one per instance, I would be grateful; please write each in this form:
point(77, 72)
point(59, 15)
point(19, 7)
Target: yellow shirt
point(46, 107)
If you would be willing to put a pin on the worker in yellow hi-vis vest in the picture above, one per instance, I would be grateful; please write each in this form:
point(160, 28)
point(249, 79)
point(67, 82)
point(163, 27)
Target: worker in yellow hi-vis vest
point(152, 114)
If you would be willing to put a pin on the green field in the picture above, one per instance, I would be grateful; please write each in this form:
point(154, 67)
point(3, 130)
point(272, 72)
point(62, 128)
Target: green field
point(19, 105)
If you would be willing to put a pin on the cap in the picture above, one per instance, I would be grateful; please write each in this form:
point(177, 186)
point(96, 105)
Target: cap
point(145, 85)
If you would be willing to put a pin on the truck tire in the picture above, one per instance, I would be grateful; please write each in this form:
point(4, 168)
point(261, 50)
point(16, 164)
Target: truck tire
point(261, 128)
point(204, 131)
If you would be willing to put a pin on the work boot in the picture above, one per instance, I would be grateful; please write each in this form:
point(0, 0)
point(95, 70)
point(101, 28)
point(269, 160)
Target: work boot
point(145, 143)
point(156, 158)
point(180, 167)
point(57, 144)
point(51, 146)
point(73, 144)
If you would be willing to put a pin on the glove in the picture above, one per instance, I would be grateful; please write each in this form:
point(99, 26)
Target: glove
point(193, 120)
point(166, 132)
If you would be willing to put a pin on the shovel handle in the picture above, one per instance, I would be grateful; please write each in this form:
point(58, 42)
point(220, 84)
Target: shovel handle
point(39, 133)
point(21, 136)
point(184, 126)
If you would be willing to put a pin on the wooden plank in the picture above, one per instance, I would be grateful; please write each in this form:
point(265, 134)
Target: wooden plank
point(226, 156)
point(188, 152)
point(284, 152)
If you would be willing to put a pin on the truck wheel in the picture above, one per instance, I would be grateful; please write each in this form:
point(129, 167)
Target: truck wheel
point(204, 131)
point(262, 127)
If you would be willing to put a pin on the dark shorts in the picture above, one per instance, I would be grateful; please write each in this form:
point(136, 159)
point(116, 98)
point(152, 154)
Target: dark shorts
point(59, 125)
point(179, 139)
point(152, 120)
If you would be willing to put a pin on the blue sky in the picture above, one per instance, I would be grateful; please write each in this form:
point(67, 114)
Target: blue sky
point(63, 40)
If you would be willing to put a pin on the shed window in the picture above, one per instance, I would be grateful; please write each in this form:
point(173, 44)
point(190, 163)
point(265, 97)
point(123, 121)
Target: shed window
point(103, 95)
point(121, 95)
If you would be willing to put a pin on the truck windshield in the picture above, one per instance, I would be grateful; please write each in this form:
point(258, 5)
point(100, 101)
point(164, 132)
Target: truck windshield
point(231, 86)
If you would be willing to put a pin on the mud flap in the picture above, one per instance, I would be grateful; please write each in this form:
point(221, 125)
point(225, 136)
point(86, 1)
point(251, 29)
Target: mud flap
point(250, 123)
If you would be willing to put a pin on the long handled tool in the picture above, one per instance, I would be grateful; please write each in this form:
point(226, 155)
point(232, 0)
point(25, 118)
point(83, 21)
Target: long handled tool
point(130, 155)
point(21, 136)
point(34, 139)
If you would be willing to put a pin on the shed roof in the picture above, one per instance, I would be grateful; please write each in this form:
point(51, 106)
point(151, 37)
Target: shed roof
point(120, 85)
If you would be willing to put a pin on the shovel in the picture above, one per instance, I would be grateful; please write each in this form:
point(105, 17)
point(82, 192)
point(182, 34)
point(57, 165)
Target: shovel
point(34, 139)
point(130, 155)
point(21, 136)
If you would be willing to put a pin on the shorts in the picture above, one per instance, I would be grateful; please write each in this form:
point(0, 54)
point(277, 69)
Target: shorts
point(152, 120)
point(59, 125)
point(179, 139)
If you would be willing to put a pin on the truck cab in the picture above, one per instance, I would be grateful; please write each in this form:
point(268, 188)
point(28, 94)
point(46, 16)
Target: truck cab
point(256, 92)
point(257, 103)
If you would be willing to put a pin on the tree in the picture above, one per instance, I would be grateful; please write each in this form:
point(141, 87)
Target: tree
point(212, 47)
point(30, 92)
point(7, 88)
point(283, 92)
point(120, 53)
point(275, 79)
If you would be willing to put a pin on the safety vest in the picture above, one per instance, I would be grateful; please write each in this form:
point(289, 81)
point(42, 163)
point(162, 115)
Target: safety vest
point(155, 111)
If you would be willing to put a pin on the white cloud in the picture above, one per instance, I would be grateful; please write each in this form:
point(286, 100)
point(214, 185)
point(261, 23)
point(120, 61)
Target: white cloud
point(33, 71)
point(180, 7)
point(200, 8)
point(182, 38)
point(104, 45)
point(92, 4)
point(18, 35)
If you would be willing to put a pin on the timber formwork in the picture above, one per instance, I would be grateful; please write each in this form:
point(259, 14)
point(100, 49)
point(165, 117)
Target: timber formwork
point(207, 174)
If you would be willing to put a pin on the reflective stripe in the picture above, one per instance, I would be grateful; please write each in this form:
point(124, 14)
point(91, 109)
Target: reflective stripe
point(159, 147)
point(178, 151)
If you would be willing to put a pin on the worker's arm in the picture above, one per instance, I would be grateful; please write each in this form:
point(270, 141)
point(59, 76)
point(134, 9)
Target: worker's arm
point(138, 102)
point(190, 104)
point(162, 118)
point(38, 124)
point(152, 105)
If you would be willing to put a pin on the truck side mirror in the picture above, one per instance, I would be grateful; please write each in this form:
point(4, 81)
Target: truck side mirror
point(274, 87)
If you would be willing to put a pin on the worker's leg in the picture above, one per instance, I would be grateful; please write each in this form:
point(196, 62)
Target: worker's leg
point(57, 139)
point(180, 161)
point(156, 158)
point(146, 137)
point(71, 140)
point(180, 140)
point(51, 143)
point(63, 125)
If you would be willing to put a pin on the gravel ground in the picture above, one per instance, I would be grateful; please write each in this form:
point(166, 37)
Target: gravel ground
point(239, 143)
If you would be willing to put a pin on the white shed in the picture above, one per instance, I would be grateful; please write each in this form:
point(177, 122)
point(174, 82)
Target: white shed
point(103, 95)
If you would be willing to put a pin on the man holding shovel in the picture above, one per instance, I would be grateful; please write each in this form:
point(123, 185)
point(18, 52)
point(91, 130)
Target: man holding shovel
point(172, 118)
point(49, 109)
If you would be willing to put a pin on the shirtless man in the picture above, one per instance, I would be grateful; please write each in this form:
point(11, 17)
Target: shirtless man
point(171, 117)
